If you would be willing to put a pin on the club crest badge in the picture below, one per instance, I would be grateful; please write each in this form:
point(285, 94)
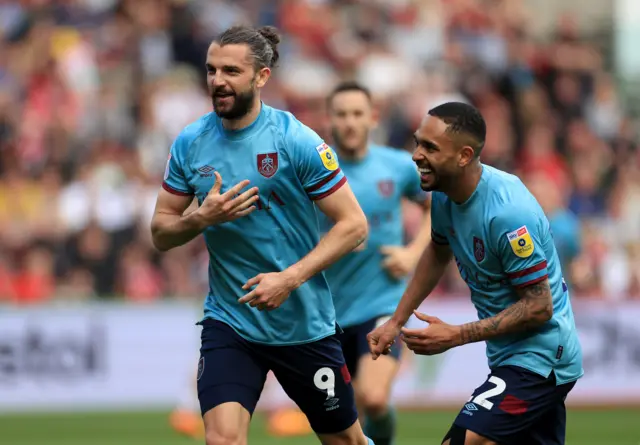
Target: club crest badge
point(478, 249)
point(385, 187)
point(267, 164)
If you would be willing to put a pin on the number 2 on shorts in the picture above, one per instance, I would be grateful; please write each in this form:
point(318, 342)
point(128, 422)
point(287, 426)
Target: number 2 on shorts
point(481, 399)
point(325, 379)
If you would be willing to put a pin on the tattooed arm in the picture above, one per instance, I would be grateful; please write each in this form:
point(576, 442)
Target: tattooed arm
point(533, 310)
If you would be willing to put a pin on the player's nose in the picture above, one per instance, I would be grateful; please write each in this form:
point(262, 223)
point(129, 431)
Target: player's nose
point(418, 156)
point(218, 82)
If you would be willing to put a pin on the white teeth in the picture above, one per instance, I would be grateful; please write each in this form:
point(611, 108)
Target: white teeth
point(424, 170)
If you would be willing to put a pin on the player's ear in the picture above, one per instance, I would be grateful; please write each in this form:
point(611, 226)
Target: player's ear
point(465, 156)
point(375, 115)
point(262, 76)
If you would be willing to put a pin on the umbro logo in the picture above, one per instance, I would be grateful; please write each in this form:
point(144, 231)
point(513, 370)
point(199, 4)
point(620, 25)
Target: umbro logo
point(205, 171)
point(471, 407)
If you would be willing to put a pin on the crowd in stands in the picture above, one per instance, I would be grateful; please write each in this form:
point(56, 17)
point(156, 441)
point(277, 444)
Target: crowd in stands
point(92, 93)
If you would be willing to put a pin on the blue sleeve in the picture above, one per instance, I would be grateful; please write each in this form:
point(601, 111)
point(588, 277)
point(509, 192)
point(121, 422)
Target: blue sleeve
point(175, 181)
point(411, 180)
point(316, 164)
point(515, 232)
point(438, 233)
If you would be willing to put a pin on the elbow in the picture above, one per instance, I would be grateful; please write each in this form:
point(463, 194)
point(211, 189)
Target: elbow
point(360, 229)
point(542, 314)
point(159, 246)
point(157, 239)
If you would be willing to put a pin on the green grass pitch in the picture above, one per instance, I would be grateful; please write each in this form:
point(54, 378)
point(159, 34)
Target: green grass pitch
point(594, 427)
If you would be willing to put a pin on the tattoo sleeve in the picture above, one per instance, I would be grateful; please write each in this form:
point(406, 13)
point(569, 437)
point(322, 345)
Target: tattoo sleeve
point(532, 310)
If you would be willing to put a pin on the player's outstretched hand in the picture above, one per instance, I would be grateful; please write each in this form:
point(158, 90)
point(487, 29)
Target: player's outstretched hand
point(399, 261)
point(271, 290)
point(382, 338)
point(219, 207)
point(436, 338)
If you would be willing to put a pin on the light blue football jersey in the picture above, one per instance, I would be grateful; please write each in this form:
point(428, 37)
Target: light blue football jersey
point(362, 289)
point(292, 167)
point(501, 240)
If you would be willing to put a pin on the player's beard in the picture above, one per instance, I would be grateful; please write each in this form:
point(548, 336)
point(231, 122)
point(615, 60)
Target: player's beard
point(242, 104)
point(350, 149)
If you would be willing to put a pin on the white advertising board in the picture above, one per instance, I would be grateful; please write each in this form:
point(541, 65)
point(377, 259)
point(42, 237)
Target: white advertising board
point(129, 357)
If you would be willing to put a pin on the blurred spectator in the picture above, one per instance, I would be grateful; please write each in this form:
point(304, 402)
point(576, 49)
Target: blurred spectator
point(92, 94)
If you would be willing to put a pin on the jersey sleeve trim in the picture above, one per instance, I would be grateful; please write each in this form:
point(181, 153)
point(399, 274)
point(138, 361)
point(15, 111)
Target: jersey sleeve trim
point(331, 191)
point(173, 191)
point(530, 275)
point(324, 181)
point(438, 239)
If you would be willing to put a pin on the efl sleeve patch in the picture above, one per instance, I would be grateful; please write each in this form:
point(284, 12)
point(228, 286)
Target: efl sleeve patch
point(521, 242)
point(329, 159)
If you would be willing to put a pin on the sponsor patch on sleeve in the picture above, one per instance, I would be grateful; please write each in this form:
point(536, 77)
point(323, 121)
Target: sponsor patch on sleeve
point(521, 242)
point(329, 159)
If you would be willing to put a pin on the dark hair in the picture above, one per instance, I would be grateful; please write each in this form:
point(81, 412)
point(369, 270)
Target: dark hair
point(464, 120)
point(263, 43)
point(349, 85)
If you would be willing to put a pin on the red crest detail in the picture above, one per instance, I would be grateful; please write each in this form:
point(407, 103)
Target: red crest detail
point(385, 187)
point(478, 249)
point(268, 164)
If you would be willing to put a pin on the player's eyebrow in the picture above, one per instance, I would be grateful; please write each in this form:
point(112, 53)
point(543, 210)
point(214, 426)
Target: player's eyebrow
point(425, 143)
point(208, 66)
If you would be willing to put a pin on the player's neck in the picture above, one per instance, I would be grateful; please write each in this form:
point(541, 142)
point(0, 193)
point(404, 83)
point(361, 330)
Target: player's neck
point(466, 184)
point(244, 121)
point(352, 155)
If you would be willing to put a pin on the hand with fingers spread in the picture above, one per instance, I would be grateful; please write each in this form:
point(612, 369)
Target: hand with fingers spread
point(271, 290)
point(382, 338)
point(436, 338)
point(218, 208)
point(399, 261)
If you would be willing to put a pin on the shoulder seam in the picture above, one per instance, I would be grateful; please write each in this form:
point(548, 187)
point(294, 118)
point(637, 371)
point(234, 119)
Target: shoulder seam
point(285, 143)
point(201, 133)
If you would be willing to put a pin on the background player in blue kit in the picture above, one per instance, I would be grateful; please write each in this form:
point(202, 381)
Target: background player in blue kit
point(367, 284)
point(268, 307)
point(501, 241)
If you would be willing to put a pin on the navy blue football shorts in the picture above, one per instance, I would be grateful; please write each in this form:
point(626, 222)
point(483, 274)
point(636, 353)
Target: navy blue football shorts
point(515, 406)
point(355, 345)
point(314, 375)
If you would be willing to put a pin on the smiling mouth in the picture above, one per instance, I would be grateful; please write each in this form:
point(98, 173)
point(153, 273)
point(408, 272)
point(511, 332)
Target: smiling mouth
point(424, 171)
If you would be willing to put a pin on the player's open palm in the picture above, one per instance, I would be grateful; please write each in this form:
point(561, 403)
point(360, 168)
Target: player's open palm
point(382, 338)
point(271, 290)
point(436, 338)
point(218, 208)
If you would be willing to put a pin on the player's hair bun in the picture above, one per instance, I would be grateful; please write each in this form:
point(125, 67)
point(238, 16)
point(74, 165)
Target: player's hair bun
point(271, 34)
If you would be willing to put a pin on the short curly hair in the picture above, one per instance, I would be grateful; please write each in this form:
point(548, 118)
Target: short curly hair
point(463, 120)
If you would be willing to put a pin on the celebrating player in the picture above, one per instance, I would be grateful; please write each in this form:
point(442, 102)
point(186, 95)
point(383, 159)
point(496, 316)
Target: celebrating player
point(503, 247)
point(268, 307)
point(367, 284)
